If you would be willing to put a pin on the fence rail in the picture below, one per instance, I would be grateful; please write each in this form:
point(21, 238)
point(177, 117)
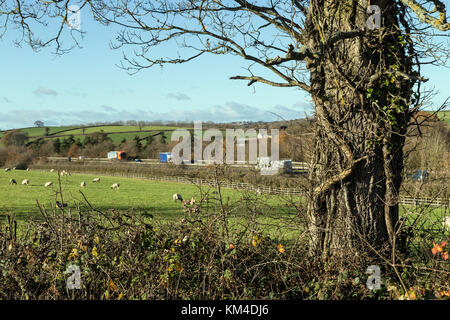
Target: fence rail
point(432, 202)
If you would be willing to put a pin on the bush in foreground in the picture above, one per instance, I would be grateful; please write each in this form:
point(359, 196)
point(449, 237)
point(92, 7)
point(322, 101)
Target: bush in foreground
point(205, 255)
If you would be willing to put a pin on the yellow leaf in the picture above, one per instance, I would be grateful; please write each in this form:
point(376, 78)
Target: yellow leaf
point(73, 254)
point(94, 252)
point(256, 241)
point(112, 286)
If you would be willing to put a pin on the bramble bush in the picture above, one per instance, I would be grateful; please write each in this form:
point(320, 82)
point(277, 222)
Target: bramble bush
point(217, 250)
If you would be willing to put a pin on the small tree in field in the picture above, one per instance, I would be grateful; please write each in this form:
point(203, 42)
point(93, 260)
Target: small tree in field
point(39, 124)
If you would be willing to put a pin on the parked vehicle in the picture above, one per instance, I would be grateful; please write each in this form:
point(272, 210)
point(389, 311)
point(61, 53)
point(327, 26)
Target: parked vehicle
point(117, 155)
point(165, 157)
point(420, 175)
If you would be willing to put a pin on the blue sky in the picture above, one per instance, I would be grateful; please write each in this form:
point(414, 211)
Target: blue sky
point(86, 86)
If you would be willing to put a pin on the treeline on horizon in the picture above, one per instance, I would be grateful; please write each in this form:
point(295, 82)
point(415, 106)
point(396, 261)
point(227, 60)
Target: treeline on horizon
point(18, 151)
point(174, 123)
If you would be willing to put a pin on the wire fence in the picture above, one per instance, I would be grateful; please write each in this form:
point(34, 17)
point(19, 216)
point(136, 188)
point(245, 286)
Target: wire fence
point(410, 201)
point(297, 166)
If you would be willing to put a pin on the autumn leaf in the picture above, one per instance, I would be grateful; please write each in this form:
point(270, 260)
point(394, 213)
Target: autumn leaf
point(94, 252)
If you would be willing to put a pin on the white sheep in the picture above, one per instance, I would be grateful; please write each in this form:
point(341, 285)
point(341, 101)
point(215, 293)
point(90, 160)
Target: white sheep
point(83, 184)
point(14, 168)
point(28, 169)
point(115, 186)
point(96, 180)
point(25, 182)
point(7, 169)
point(176, 197)
point(48, 184)
point(12, 181)
point(52, 170)
point(446, 223)
point(65, 173)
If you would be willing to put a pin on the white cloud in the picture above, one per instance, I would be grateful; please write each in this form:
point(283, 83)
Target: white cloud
point(108, 108)
point(230, 111)
point(6, 100)
point(178, 96)
point(42, 91)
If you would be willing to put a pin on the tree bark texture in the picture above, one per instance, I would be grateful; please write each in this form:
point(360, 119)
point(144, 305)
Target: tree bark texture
point(361, 93)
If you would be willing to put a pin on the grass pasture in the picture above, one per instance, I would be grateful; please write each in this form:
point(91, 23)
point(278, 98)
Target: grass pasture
point(116, 133)
point(444, 115)
point(153, 197)
point(274, 214)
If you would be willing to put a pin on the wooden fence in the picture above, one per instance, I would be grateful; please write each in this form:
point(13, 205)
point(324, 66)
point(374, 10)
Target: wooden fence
point(432, 202)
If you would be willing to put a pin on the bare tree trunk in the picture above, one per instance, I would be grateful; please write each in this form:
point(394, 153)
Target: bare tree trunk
point(362, 112)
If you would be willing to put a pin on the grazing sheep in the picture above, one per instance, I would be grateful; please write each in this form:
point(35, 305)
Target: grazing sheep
point(25, 182)
point(28, 169)
point(65, 173)
point(48, 184)
point(60, 205)
point(446, 223)
point(12, 181)
point(83, 184)
point(14, 168)
point(52, 170)
point(177, 197)
point(7, 169)
point(96, 180)
point(115, 186)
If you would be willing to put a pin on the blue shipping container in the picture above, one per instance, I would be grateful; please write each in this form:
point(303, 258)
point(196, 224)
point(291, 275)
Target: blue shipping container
point(165, 157)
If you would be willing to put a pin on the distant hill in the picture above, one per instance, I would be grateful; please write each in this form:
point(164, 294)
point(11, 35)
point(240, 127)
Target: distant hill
point(115, 132)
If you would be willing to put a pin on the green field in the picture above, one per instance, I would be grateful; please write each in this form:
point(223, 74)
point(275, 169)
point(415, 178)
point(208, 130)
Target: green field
point(35, 131)
point(153, 197)
point(116, 133)
point(118, 129)
point(444, 115)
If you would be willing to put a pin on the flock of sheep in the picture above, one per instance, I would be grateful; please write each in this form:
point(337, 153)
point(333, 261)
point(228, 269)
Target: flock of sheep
point(115, 186)
point(63, 173)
